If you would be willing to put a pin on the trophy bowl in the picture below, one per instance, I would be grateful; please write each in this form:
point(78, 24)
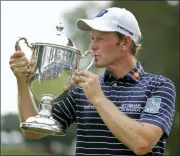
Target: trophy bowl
point(55, 64)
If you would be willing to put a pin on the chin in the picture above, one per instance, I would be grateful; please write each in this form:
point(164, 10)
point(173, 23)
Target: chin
point(98, 65)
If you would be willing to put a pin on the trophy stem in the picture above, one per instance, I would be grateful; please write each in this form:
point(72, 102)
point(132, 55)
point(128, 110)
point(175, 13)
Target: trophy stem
point(45, 107)
point(44, 122)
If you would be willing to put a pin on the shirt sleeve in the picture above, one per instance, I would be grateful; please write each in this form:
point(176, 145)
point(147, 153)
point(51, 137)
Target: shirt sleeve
point(160, 106)
point(64, 110)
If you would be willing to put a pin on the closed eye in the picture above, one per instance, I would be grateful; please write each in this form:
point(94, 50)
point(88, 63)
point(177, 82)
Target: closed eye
point(100, 38)
point(97, 39)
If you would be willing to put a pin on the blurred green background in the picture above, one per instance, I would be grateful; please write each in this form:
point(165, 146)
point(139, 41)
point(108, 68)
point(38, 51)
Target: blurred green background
point(159, 23)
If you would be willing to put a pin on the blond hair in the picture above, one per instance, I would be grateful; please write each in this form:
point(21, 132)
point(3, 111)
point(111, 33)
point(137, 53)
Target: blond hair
point(135, 47)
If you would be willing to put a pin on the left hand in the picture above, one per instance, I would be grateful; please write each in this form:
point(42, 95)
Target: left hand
point(90, 84)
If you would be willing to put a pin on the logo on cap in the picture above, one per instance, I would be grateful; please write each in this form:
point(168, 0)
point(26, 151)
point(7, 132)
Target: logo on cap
point(102, 13)
point(120, 27)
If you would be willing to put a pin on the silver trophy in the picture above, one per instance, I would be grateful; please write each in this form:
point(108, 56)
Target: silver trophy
point(55, 64)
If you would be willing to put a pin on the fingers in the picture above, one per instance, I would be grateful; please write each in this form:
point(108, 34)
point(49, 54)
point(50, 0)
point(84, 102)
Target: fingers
point(74, 77)
point(78, 77)
point(32, 67)
point(19, 64)
point(84, 77)
point(87, 73)
point(18, 57)
point(82, 84)
point(32, 61)
point(18, 60)
point(81, 78)
point(17, 54)
point(22, 70)
point(30, 73)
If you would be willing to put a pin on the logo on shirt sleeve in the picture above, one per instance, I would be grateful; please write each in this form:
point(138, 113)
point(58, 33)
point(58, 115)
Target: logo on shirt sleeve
point(152, 105)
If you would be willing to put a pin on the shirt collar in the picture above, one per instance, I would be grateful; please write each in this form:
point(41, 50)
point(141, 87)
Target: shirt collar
point(133, 76)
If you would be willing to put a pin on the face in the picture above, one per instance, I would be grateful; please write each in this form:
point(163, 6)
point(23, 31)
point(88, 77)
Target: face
point(107, 52)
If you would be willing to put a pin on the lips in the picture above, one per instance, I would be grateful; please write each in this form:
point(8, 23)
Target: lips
point(96, 57)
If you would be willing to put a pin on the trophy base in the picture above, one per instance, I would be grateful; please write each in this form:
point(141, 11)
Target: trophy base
point(43, 125)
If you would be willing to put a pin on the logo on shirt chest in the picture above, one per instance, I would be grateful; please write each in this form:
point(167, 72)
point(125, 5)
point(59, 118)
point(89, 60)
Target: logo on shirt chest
point(131, 108)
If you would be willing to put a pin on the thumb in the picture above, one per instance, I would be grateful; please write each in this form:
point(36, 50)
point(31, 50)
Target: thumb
point(68, 86)
point(31, 74)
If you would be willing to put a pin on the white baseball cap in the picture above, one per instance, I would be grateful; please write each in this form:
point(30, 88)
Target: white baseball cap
point(113, 20)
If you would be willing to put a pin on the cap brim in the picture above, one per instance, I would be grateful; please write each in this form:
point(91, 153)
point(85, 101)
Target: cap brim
point(88, 25)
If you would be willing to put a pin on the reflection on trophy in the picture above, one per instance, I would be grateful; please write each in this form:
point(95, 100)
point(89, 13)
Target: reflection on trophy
point(55, 64)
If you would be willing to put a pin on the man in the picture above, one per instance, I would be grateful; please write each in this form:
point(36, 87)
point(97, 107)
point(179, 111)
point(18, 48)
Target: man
point(126, 111)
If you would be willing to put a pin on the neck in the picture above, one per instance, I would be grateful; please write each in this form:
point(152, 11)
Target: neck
point(123, 67)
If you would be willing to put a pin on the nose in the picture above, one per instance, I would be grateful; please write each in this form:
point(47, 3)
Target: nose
point(94, 46)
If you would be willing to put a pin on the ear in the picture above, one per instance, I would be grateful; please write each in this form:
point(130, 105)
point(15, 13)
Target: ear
point(126, 43)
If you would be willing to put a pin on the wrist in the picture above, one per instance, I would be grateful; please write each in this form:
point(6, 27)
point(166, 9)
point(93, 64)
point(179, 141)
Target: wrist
point(98, 100)
point(22, 83)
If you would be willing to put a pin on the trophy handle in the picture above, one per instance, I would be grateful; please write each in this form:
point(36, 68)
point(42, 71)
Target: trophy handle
point(17, 46)
point(92, 61)
point(69, 85)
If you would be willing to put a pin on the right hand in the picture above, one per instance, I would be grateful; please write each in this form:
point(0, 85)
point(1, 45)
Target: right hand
point(22, 68)
point(72, 83)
